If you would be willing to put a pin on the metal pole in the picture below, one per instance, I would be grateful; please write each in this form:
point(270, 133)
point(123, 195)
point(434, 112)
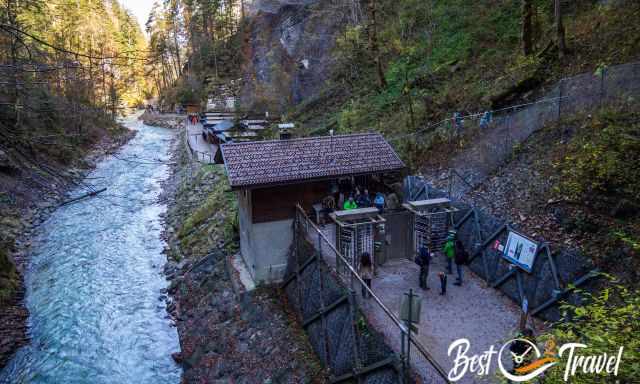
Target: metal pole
point(560, 98)
point(403, 356)
point(409, 330)
point(602, 90)
point(355, 252)
point(319, 246)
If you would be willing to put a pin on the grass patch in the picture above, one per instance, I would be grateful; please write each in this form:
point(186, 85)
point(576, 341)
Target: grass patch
point(213, 218)
point(219, 200)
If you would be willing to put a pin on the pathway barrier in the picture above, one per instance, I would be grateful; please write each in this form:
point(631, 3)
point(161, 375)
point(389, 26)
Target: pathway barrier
point(202, 157)
point(323, 285)
point(498, 131)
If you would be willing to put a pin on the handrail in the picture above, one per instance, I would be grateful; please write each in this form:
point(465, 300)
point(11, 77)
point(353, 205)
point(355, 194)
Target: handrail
point(386, 310)
point(194, 152)
point(352, 270)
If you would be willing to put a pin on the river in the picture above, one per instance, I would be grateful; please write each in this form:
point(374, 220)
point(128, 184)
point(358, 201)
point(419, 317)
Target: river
point(94, 279)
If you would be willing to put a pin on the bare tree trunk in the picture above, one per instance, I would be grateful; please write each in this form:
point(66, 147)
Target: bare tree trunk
point(175, 12)
point(104, 80)
point(560, 38)
point(373, 43)
point(177, 50)
point(527, 27)
point(215, 55)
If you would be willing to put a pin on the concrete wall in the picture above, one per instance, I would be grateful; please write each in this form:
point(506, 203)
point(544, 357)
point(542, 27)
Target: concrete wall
point(264, 246)
point(244, 221)
point(271, 242)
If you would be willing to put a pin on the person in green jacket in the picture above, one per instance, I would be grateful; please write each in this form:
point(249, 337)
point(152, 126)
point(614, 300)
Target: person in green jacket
point(350, 204)
point(450, 251)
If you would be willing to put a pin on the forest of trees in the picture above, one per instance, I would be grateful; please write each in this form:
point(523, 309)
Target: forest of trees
point(193, 42)
point(67, 68)
point(89, 51)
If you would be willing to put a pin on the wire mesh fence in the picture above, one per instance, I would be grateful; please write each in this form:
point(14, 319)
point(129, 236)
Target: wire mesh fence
point(495, 133)
point(326, 290)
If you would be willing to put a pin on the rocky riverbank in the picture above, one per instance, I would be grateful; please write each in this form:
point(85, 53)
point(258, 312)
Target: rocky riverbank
point(225, 335)
point(164, 120)
point(28, 195)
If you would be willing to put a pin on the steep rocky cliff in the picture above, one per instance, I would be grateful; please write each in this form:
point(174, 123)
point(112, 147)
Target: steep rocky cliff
point(287, 51)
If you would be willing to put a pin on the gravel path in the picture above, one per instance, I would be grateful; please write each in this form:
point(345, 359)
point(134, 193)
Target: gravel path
point(473, 311)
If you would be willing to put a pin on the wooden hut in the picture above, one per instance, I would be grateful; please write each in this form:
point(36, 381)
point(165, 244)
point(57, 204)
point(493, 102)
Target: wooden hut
point(271, 177)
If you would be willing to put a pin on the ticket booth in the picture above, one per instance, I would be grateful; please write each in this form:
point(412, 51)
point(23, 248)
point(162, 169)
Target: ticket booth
point(431, 220)
point(356, 232)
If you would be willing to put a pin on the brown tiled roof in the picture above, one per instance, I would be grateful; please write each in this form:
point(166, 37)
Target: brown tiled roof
point(260, 163)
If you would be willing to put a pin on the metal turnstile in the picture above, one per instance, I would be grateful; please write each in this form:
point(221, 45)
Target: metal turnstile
point(356, 233)
point(431, 221)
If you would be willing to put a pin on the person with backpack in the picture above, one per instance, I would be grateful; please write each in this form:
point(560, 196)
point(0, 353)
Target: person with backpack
point(461, 258)
point(423, 260)
point(449, 251)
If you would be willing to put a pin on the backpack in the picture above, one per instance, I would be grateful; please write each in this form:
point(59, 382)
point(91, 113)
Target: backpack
point(421, 259)
point(462, 257)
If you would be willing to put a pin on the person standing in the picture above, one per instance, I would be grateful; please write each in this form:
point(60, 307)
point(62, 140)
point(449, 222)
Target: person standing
point(366, 272)
point(379, 202)
point(328, 206)
point(364, 200)
point(350, 204)
point(450, 252)
point(443, 283)
point(423, 260)
point(461, 258)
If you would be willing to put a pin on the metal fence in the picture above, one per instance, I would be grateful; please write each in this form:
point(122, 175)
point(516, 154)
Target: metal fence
point(495, 133)
point(322, 284)
point(550, 280)
point(202, 157)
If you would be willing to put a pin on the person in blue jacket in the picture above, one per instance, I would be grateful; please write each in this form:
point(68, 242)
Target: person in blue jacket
point(379, 202)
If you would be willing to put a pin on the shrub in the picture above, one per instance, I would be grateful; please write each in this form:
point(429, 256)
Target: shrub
point(609, 320)
point(598, 166)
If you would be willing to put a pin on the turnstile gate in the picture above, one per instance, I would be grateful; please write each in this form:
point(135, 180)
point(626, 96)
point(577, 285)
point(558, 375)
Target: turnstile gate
point(431, 221)
point(356, 240)
point(430, 231)
point(356, 230)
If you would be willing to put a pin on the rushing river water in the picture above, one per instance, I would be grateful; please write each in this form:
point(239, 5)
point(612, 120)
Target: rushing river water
point(94, 279)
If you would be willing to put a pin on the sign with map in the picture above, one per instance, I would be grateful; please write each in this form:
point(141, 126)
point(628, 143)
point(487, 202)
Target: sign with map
point(520, 250)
